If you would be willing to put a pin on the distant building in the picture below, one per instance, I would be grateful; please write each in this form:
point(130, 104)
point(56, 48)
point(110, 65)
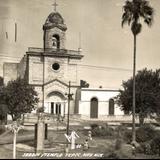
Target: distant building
point(49, 70)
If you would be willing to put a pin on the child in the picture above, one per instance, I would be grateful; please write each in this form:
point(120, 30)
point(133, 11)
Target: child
point(86, 146)
point(89, 135)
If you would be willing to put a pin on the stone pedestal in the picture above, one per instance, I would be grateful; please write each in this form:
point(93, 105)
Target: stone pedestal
point(35, 135)
point(40, 136)
point(46, 131)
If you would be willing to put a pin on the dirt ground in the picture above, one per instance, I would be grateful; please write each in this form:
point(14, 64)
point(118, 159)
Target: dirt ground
point(99, 148)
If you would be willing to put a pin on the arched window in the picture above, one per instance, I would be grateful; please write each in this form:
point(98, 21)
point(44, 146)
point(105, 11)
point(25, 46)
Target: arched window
point(94, 108)
point(111, 107)
point(56, 41)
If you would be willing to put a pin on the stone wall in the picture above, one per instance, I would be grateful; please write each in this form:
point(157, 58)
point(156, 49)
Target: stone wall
point(35, 70)
point(66, 73)
point(10, 72)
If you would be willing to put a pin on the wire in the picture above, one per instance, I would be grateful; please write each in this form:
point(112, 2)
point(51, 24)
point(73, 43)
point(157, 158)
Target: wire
point(4, 56)
point(105, 67)
point(84, 65)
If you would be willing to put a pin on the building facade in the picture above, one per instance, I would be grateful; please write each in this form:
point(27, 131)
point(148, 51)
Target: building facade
point(49, 70)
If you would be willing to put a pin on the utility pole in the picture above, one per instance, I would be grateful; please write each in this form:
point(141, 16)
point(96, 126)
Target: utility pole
point(15, 32)
point(68, 108)
point(69, 98)
point(43, 81)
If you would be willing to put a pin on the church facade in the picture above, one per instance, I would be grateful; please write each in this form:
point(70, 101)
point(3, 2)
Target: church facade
point(51, 68)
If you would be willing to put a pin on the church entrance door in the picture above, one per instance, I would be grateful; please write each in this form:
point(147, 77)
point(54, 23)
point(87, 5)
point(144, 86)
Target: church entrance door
point(55, 103)
point(56, 108)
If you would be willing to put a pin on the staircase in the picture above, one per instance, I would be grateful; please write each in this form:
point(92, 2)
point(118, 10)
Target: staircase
point(32, 118)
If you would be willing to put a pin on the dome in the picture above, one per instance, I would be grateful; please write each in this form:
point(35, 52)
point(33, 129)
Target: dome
point(55, 20)
point(55, 17)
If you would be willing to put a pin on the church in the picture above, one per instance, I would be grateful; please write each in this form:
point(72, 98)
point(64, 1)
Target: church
point(52, 71)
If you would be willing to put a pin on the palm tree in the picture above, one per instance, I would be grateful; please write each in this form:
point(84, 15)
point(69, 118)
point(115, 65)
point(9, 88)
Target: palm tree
point(133, 13)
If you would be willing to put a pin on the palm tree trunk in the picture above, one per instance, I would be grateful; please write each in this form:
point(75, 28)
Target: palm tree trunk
point(134, 95)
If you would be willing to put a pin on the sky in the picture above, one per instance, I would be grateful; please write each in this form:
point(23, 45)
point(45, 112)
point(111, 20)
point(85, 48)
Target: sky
point(104, 42)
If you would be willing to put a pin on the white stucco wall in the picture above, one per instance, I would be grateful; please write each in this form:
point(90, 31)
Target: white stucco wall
point(103, 97)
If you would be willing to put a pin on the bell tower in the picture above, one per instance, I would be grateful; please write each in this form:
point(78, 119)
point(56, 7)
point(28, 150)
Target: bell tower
point(50, 68)
point(54, 31)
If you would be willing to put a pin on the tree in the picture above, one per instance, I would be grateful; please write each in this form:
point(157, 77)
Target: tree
point(147, 94)
point(3, 114)
point(3, 109)
point(84, 84)
point(19, 97)
point(134, 11)
point(1, 81)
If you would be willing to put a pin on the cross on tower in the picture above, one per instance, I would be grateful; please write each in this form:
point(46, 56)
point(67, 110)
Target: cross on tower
point(55, 5)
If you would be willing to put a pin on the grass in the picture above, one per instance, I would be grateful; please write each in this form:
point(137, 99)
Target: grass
point(2, 129)
point(100, 145)
point(25, 132)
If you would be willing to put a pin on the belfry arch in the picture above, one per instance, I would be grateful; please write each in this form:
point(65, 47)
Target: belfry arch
point(56, 41)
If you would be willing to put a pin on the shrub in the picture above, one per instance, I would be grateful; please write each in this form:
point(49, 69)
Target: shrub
point(145, 133)
point(101, 131)
point(40, 110)
point(113, 155)
point(120, 131)
point(155, 145)
point(127, 136)
point(140, 149)
point(2, 129)
point(124, 133)
point(118, 144)
point(150, 146)
point(147, 148)
point(144, 148)
point(157, 119)
point(93, 126)
point(117, 155)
